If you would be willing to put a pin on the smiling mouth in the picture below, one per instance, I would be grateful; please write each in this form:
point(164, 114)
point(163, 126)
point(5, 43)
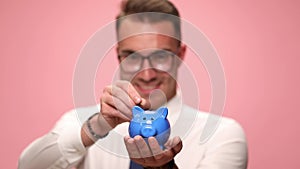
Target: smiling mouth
point(147, 89)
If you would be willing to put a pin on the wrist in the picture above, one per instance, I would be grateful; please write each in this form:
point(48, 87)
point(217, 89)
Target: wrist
point(96, 128)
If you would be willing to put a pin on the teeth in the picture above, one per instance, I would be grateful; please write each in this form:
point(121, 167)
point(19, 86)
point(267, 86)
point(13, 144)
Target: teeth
point(148, 87)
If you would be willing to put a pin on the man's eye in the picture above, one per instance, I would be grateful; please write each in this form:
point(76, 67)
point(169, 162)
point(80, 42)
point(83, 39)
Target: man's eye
point(133, 57)
point(160, 57)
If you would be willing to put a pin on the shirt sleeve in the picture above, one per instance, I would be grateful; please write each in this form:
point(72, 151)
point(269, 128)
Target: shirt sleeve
point(61, 148)
point(227, 148)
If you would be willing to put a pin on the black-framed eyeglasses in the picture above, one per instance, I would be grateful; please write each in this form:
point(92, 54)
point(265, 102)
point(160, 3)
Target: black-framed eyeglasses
point(162, 60)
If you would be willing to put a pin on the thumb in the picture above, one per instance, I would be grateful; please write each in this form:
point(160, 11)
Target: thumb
point(145, 104)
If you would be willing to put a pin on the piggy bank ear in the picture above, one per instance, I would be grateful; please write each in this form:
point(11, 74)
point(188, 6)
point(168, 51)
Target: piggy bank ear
point(163, 111)
point(136, 110)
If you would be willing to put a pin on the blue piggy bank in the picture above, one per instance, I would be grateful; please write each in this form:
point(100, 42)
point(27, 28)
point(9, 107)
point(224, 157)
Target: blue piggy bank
point(150, 123)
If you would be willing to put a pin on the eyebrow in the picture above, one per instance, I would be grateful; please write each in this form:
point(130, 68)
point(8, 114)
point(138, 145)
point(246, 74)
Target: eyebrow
point(129, 51)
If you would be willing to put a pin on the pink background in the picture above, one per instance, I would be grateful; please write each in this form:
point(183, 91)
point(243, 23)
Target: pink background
point(257, 41)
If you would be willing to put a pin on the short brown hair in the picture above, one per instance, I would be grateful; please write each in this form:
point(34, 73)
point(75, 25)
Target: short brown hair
point(157, 10)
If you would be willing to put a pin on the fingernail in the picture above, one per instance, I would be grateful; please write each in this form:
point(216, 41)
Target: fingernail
point(131, 140)
point(137, 99)
point(144, 104)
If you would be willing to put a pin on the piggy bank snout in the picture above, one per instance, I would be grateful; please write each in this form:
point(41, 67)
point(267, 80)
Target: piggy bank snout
point(148, 131)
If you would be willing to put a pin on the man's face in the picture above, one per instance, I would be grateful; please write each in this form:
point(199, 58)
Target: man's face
point(150, 75)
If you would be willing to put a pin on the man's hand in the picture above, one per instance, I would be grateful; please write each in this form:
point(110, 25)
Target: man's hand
point(117, 101)
point(151, 155)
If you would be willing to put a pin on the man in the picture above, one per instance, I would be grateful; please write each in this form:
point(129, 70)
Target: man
point(148, 63)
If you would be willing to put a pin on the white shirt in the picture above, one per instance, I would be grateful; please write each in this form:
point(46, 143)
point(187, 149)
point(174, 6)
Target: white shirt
point(205, 145)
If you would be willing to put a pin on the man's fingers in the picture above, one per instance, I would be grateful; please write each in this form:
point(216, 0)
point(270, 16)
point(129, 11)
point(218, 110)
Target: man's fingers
point(123, 96)
point(172, 142)
point(134, 96)
point(116, 103)
point(153, 144)
point(178, 145)
point(117, 98)
point(174, 145)
point(128, 88)
point(142, 146)
point(145, 104)
point(131, 147)
point(111, 112)
point(150, 154)
point(155, 148)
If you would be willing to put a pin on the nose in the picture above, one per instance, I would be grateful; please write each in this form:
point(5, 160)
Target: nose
point(147, 72)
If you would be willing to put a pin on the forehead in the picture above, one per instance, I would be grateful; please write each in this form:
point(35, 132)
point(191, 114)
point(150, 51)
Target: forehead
point(142, 35)
point(130, 27)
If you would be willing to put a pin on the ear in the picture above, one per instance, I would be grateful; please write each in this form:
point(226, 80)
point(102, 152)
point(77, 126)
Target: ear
point(181, 53)
point(136, 110)
point(163, 111)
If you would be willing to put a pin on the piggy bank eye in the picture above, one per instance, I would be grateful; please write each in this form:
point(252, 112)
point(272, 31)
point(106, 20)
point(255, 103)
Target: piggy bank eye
point(144, 118)
point(152, 118)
